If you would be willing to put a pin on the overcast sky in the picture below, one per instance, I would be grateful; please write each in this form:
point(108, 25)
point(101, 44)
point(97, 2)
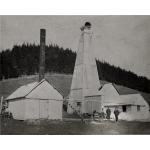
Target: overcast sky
point(120, 40)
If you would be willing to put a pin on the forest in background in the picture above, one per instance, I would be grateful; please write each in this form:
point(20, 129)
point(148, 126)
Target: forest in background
point(24, 60)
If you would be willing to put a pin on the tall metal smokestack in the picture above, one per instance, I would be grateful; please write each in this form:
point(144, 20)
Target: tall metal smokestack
point(42, 54)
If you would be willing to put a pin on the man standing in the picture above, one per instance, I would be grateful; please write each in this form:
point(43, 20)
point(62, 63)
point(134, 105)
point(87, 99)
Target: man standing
point(116, 112)
point(102, 114)
point(108, 113)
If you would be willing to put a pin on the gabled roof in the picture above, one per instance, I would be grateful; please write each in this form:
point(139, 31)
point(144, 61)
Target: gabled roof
point(109, 88)
point(36, 90)
point(23, 91)
point(126, 91)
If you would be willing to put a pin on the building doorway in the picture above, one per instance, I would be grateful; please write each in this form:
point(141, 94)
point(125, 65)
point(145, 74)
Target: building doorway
point(124, 108)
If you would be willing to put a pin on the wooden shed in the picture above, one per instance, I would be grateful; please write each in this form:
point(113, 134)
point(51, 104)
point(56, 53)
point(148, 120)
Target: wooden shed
point(131, 106)
point(37, 100)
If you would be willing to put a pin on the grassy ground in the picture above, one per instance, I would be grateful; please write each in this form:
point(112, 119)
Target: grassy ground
point(61, 82)
point(13, 127)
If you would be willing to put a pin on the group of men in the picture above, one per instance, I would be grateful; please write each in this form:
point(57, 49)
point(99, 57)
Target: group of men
point(108, 113)
point(102, 115)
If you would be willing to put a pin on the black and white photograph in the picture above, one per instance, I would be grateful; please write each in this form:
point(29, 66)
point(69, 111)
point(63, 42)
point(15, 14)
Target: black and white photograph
point(74, 75)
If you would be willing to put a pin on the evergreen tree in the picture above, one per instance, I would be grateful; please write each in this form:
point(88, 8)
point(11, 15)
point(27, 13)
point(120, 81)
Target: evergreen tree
point(24, 60)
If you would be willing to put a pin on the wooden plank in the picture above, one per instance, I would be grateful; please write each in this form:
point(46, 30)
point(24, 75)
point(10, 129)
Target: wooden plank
point(1, 106)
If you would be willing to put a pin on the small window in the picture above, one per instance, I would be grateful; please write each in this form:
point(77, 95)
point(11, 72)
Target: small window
point(128, 108)
point(138, 108)
point(124, 108)
point(78, 103)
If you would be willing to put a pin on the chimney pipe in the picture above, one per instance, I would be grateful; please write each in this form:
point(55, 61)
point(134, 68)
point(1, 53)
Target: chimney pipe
point(42, 54)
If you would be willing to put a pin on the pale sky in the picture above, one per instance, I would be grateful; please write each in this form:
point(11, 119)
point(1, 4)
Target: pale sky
point(120, 40)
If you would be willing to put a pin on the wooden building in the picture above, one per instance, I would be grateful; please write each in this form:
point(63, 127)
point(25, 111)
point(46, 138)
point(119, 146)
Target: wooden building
point(37, 100)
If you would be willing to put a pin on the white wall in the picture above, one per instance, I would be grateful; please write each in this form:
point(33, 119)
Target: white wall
point(17, 108)
point(55, 109)
point(45, 91)
point(32, 109)
point(109, 93)
point(43, 109)
point(23, 109)
point(91, 104)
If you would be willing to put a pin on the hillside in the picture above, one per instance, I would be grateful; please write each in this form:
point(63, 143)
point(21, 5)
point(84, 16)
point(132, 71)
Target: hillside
point(61, 82)
point(23, 60)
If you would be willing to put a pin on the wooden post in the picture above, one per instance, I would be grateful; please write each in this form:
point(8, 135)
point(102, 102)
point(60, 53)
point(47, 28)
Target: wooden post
point(1, 107)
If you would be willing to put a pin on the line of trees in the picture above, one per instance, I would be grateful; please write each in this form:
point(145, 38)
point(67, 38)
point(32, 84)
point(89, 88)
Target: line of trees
point(120, 76)
point(24, 60)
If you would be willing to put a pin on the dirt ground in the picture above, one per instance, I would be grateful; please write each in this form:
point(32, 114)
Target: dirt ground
point(14, 127)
